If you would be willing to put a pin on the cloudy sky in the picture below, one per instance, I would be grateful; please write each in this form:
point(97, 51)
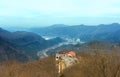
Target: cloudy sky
point(48, 12)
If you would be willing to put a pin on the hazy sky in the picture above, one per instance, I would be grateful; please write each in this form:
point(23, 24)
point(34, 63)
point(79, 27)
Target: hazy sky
point(48, 12)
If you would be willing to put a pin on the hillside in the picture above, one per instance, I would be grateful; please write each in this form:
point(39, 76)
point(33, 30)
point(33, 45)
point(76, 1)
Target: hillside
point(92, 65)
point(9, 52)
point(96, 59)
point(84, 32)
point(92, 46)
point(40, 68)
point(28, 42)
point(97, 65)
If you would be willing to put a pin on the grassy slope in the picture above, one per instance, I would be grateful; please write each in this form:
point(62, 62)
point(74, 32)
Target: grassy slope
point(97, 65)
point(90, 65)
point(39, 68)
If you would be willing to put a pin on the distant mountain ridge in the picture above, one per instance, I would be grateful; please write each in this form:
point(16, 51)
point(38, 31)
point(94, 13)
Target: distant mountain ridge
point(58, 25)
point(85, 33)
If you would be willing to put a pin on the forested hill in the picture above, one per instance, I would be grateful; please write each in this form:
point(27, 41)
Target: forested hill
point(28, 42)
point(10, 52)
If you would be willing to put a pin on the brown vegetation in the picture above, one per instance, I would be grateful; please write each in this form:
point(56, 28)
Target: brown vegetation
point(90, 65)
point(96, 65)
point(40, 68)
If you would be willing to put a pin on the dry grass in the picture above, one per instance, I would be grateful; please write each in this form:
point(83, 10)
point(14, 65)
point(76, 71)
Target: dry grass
point(90, 65)
point(40, 68)
point(97, 65)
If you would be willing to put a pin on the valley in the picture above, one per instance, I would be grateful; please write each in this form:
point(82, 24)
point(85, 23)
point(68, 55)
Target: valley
point(46, 41)
point(44, 52)
point(59, 38)
point(32, 53)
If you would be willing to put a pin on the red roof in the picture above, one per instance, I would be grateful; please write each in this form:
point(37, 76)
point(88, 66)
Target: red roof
point(72, 53)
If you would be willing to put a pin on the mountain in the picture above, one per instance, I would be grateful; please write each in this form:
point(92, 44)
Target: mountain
point(97, 45)
point(114, 37)
point(9, 52)
point(85, 33)
point(58, 25)
point(28, 42)
point(5, 34)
